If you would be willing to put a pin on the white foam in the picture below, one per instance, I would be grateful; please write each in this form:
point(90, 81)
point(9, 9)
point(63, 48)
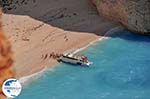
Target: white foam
point(27, 79)
point(113, 30)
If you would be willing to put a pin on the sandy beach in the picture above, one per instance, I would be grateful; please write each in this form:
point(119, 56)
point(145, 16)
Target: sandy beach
point(40, 27)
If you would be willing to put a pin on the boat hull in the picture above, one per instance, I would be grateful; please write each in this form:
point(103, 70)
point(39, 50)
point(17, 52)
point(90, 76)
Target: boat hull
point(73, 61)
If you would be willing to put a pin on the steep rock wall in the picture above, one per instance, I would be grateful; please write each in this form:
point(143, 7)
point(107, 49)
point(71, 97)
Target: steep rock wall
point(134, 14)
point(13, 4)
point(6, 70)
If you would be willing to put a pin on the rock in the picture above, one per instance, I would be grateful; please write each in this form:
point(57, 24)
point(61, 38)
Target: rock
point(6, 61)
point(133, 14)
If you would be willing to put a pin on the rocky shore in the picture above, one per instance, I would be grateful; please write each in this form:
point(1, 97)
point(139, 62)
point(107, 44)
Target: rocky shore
point(133, 14)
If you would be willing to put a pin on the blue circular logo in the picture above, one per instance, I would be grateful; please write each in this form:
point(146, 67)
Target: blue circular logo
point(11, 88)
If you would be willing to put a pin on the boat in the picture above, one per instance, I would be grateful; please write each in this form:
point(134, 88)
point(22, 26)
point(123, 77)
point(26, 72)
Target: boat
point(74, 59)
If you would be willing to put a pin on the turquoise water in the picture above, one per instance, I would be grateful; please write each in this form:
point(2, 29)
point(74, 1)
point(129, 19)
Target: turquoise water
point(121, 70)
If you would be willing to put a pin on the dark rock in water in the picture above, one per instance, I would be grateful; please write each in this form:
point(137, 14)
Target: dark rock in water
point(133, 14)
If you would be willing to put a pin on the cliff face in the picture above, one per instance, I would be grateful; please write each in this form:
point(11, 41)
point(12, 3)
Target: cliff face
point(134, 14)
point(13, 4)
point(5, 60)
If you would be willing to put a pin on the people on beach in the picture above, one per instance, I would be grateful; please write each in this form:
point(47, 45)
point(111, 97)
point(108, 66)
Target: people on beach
point(54, 55)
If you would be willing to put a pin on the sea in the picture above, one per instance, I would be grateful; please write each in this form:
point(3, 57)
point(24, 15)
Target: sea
point(120, 70)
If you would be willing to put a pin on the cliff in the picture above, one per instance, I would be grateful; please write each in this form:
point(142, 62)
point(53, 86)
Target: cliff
point(133, 14)
point(5, 60)
point(46, 26)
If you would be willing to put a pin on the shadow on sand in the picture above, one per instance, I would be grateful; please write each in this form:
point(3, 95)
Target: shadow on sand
point(69, 15)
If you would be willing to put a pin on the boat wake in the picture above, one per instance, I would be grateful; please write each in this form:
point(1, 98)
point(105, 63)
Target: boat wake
point(113, 30)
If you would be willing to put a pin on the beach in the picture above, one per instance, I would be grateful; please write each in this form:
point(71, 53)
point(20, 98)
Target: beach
point(39, 28)
point(119, 73)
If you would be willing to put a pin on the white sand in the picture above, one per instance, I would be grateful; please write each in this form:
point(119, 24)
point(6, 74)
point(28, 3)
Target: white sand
point(39, 28)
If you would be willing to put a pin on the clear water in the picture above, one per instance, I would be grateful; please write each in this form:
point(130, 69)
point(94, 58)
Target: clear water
point(121, 70)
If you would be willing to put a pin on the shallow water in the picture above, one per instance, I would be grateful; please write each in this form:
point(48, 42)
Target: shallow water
point(121, 70)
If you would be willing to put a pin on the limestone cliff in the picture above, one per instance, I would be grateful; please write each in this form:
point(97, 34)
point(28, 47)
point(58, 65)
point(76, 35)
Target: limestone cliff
point(13, 4)
point(134, 14)
point(5, 60)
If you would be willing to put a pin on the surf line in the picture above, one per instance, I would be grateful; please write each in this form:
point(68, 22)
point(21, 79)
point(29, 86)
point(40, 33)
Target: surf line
point(113, 30)
point(25, 80)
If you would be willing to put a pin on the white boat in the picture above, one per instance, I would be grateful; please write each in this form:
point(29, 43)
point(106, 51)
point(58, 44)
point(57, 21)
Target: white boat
point(74, 59)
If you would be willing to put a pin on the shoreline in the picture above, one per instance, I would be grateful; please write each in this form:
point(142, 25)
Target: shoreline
point(34, 35)
point(25, 79)
point(46, 62)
